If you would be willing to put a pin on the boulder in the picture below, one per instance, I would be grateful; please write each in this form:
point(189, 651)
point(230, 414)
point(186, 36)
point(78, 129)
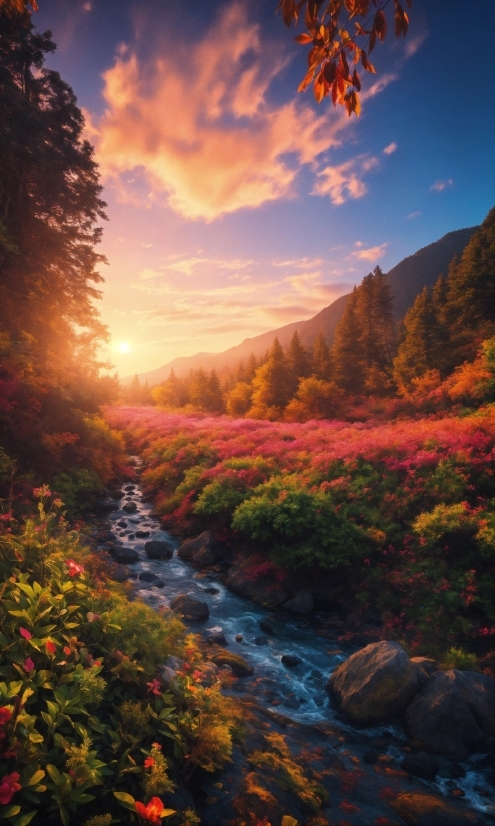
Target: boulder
point(169, 677)
point(106, 505)
point(209, 674)
point(453, 714)
point(175, 663)
point(301, 603)
point(120, 574)
point(129, 487)
point(290, 660)
point(125, 556)
point(129, 507)
point(142, 534)
point(428, 766)
point(158, 549)
point(421, 809)
point(376, 683)
point(266, 627)
point(237, 663)
point(117, 493)
point(428, 666)
point(205, 557)
point(264, 590)
point(189, 547)
point(147, 576)
point(190, 607)
point(122, 524)
point(217, 638)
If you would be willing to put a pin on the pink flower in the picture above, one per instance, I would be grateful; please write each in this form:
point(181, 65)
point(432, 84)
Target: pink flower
point(154, 687)
point(8, 787)
point(25, 633)
point(73, 568)
point(6, 517)
point(29, 665)
point(149, 762)
point(50, 647)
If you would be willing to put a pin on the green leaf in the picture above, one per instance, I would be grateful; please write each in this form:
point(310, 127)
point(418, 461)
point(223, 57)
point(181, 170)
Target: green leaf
point(10, 811)
point(35, 778)
point(125, 800)
point(24, 819)
point(55, 774)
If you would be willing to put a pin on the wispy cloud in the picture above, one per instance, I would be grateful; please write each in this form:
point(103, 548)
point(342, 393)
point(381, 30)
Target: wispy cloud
point(345, 181)
point(370, 254)
point(439, 186)
point(390, 149)
point(414, 214)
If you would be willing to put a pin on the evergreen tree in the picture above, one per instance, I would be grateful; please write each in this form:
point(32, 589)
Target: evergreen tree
point(375, 319)
point(347, 351)
point(420, 349)
point(298, 362)
point(271, 385)
point(321, 361)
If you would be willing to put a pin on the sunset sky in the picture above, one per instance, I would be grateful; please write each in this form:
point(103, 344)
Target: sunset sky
point(237, 205)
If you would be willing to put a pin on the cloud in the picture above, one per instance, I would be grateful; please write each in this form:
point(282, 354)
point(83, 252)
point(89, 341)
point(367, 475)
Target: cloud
point(146, 246)
point(344, 182)
point(413, 44)
point(196, 122)
point(438, 186)
point(415, 214)
point(372, 253)
point(390, 149)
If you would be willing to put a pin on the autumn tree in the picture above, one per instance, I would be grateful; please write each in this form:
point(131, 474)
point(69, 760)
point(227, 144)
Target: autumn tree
point(321, 363)
point(419, 350)
point(347, 354)
point(271, 385)
point(298, 362)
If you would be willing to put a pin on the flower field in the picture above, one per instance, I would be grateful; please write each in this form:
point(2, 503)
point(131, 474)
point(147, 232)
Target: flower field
point(400, 514)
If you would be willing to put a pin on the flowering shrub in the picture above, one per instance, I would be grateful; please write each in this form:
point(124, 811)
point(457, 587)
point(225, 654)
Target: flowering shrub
point(401, 512)
point(86, 727)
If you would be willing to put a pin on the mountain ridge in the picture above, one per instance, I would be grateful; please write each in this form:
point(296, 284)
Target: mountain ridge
point(407, 279)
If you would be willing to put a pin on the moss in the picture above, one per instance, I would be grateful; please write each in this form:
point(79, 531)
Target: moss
point(237, 663)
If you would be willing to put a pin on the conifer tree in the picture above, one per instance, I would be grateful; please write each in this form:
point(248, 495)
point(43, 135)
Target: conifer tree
point(321, 363)
point(298, 362)
point(347, 352)
point(420, 349)
point(271, 385)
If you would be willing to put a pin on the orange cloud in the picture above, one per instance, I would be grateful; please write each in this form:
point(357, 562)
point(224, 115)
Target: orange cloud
point(197, 124)
point(372, 253)
point(345, 181)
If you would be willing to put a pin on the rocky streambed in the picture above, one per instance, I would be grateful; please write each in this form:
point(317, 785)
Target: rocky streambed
point(351, 744)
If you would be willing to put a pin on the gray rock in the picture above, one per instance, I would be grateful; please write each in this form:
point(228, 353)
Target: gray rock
point(429, 666)
point(129, 507)
point(117, 493)
point(301, 603)
point(376, 683)
point(106, 505)
point(266, 627)
point(158, 549)
point(205, 557)
point(130, 487)
point(290, 660)
point(175, 663)
point(169, 677)
point(217, 638)
point(190, 607)
point(189, 547)
point(125, 556)
point(453, 714)
point(209, 673)
point(120, 574)
point(122, 524)
point(142, 534)
point(147, 576)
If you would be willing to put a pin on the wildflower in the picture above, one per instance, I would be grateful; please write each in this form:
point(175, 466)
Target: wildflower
point(67, 650)
point(50, 647)
point(91, 617)
point(25, 633)
point(5, 715)
point(149, 762)
point(154, 687)
point(29, 665)
point(152, 813)
point(73, 568)
point(197, 675)
point(6, 517)
point(9, 786)
point(156, 746)
point(44, 490)
point(58, 503)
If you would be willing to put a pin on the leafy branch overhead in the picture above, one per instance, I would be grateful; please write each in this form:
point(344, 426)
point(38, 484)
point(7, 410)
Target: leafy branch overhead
point(342, 34)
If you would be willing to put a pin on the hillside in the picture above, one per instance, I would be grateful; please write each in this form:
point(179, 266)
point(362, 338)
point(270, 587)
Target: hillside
point(407, 278)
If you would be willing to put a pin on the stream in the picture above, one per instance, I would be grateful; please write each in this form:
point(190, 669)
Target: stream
point(298, 693)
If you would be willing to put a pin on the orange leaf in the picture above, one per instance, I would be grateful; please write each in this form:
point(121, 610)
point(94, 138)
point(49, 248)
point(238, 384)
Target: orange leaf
point(303, 38)
point(307, 80)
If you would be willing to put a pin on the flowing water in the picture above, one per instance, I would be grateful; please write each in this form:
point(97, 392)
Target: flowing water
point(298, 693)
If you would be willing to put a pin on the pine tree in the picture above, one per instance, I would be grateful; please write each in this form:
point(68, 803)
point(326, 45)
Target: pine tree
point(321, 363)
point(347, 351)
point(298, 362)
point(271, 385)
point(420, 349)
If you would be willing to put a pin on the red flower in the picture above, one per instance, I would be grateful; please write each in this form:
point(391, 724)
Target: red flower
point(29, 665)
point(152, 812)
point(5, 715)
point(9, 786)
point(67, 650)
point(73, 568)
point(25, 633)
point(154, 687)
point(50, 647)
point(149, 762)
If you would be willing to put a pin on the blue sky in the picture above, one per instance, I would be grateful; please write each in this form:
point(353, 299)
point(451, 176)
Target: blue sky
point(237, 205)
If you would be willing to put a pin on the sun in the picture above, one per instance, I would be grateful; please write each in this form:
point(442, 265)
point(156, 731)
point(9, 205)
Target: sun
point(124, 347)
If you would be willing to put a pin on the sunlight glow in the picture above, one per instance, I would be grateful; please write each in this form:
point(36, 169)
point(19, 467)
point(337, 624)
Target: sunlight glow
point(122, 347)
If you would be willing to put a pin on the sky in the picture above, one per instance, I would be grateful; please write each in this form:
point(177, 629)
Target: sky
point(237, 205)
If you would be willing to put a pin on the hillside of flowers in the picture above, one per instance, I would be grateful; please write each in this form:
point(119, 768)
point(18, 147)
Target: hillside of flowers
point(398, 516)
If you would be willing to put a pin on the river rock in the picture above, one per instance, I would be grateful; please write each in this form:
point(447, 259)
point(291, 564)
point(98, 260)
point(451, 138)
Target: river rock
point(421, 809)
point(237, 663)
point(125, 556)
point(209, 674)
point(122, 524)
point(428, 666)
point(217, 638)
point(190, 607)
point(142, 534)
point(117, 493)
point(453, 714)
point(376, 683)
point(106, 505)
point(205, 557)
point(169, 677)
point(189, 547)
point(428, 766)
point(264, 590)
point(301, 603)
point(120, 574)
point(290, 660)
point(158, 549)
point(129, 487)
point(147, 576)
point(129, 507)
point(175, 663)
point(266, 627)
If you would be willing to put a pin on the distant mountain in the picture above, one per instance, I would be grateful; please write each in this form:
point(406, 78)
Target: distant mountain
point(407, 279)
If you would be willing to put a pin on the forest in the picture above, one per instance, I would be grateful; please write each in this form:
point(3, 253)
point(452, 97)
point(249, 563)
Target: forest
point(360, 469)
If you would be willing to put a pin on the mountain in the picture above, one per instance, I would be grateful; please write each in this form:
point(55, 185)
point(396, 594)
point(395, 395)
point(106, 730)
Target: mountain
point(407, 279)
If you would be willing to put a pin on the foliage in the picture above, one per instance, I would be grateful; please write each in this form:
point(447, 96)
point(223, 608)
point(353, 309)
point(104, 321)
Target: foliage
point(335, 54)
point(83, 714)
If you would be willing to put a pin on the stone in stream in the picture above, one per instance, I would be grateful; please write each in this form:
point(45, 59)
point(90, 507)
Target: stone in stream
point(422, 809)
point(125, 556)
point(189, 547)
point(147, 576)
point(290, 660)
point(237, 663)
point(429, 766)
point(429, 666)
point(158, 549)
point(453, 714)
point(130, 487)
point(190, 607)
point(239, 638)
point(117, 493)
point(205, 557)
point(217, 638)
point(376, 683)
point(122, 524)
point(265, 590)
point(130, 507)
point(120, 574)
point(131, 536)
point(142, 534)
point(266, 627)
point(106, 505)
point(301, 603)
